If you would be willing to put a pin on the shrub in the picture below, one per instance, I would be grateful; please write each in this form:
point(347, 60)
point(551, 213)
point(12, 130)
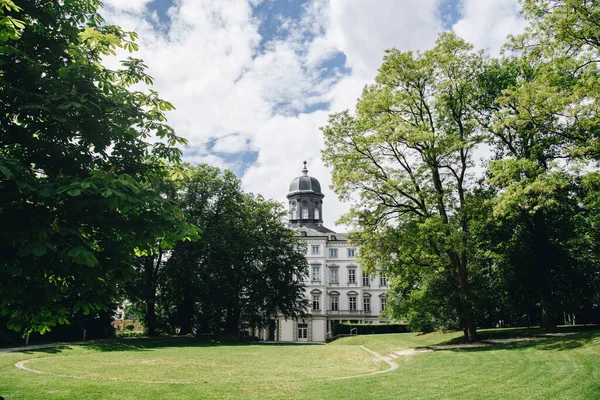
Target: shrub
point(369, 329)
point(128, 334)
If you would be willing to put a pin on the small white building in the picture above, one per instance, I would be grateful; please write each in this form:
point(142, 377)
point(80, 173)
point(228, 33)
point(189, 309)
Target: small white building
point(337, 288)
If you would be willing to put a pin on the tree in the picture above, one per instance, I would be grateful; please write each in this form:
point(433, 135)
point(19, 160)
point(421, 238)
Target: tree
point(247, 268)
point(151, 261)
point(201, 276)
point(406, 153)
point(274, 266)
point(541, 109)
point(76, 163)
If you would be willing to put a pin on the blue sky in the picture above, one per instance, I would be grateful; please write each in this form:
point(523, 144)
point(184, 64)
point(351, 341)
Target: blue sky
point(254, 80)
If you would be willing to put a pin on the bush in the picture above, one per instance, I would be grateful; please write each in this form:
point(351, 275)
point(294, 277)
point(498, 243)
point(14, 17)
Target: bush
point(128, 334)
point(370, 329)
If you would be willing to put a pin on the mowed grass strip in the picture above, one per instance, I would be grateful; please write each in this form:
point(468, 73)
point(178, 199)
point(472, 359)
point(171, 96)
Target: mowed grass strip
point(559, 368)
point(217, 364)
point(205, 369)
point(545, 368)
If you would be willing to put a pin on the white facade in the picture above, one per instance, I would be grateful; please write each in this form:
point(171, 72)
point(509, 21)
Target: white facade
point(336, 287)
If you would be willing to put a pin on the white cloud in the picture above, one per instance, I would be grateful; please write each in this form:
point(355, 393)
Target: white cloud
point(488, 23)
point(231, 144)
point(127, 5)
point(226, 88)
point(363, 29)
point(210, 159)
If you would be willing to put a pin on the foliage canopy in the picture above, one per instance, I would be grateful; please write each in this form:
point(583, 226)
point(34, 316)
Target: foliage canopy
point(79, 150)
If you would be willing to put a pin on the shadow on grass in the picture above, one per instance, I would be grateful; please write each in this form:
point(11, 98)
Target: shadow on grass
point(544, 343)
point(46, 350)
point(510, 333)
point(147, 344)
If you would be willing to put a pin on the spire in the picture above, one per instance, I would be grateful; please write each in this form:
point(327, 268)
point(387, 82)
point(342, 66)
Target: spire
point(304, 170)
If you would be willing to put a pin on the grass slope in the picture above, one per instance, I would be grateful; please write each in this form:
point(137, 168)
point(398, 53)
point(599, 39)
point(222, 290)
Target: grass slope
point(560, 367)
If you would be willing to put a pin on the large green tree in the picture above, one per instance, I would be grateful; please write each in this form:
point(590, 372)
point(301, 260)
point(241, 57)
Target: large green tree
point(150, 262)
point(404, 157)
point(541, 108)
point(79, 151)
point(245, 270)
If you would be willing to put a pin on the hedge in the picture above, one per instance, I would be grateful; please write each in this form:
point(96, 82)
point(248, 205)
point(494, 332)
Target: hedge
point(369, 329)
point(128, 334)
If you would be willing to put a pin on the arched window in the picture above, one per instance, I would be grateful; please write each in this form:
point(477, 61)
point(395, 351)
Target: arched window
point(304, 212)
point(317, 213)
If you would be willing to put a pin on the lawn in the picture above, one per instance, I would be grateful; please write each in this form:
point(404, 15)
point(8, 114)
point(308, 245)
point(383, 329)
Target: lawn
point(178, 368)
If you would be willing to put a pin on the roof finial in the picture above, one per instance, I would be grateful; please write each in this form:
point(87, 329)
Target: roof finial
point(304, 170)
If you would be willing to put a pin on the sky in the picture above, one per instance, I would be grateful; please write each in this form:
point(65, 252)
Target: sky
point(254, 80)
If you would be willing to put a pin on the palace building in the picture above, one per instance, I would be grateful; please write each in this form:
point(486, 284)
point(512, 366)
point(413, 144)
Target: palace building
point(337, 288)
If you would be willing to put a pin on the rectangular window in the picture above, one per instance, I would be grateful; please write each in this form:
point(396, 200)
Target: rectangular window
point(302, 331)
point(333, 275)
point(316, 249)
point(351, 276)
point(316, 274)
point(352, 303)
point(367, 304)
point(365, 279)
point(382, 281)
point(334, 303)
point(333, 253)
point(350, 253)
point(316, 302)
point(383, 301)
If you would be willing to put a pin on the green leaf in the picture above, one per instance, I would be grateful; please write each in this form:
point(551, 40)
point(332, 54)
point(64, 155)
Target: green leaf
point(74, 251)
point(39, 249)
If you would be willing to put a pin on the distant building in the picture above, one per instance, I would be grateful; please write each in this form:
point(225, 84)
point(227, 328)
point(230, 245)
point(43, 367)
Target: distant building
point(337, 288)
point(122, 319)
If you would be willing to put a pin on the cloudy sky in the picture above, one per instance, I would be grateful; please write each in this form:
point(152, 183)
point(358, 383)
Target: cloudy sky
point(254, 80)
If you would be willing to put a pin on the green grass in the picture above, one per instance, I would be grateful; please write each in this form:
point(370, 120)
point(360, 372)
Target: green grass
point(547, 368)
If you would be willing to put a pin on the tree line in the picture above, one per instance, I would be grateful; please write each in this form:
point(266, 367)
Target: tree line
point(476, 177)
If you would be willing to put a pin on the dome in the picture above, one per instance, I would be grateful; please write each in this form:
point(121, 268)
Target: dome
point(305, 184)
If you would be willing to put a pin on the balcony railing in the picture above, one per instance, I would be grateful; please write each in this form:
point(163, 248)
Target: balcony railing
point(342, 313)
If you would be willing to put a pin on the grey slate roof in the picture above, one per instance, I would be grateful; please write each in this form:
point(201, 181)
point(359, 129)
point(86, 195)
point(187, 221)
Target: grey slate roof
point(319, 230)
point(305, 184)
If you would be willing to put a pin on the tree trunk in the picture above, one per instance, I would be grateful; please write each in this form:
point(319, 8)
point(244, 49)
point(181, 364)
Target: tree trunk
point(466, 307)
point(470, 329)
point(232, 321)
point(151, 317)
point(150, 265)
point(543, 260)
point(548, 320)
point(186, 315)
